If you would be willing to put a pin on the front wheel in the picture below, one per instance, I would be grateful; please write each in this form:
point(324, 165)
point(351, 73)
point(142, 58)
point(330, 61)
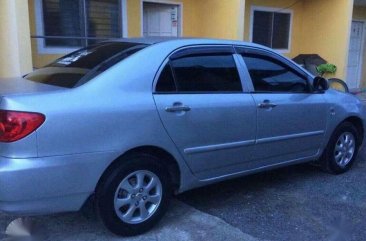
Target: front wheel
point(133, 195)
point(342, 149)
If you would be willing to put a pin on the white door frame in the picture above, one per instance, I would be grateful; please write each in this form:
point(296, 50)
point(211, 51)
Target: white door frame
point(363, 38)
point(172, 3)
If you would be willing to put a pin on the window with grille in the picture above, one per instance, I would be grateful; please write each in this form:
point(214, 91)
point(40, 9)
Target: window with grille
point(271, 29)
point(78, 23)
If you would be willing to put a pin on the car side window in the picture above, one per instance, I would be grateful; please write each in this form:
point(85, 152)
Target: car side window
point(271, 75)
point(166, 82)
point(206, 73)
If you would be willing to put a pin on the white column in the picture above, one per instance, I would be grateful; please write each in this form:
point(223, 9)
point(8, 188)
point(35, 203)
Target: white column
point(15, 44)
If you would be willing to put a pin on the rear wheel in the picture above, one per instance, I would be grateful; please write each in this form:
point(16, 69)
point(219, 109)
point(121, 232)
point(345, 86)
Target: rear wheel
point(342, 149)
point(133, 195)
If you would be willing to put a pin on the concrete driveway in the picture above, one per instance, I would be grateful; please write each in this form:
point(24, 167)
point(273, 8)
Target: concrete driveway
point(294, 203)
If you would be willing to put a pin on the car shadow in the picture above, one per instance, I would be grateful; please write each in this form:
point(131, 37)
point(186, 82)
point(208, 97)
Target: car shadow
point(290, 202)
point(279, 178)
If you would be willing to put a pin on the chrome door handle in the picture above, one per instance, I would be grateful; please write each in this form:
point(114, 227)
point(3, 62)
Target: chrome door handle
point(266, 105)
point(178, 108)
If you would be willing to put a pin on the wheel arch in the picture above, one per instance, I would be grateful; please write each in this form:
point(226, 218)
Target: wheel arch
point(167, 159)
point(358, 123)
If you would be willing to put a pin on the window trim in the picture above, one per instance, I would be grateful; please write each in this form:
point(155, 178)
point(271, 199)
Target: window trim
point(271, 10)
point(242, 50)
point(202, 50)
point(39, 24)
point(204, 47)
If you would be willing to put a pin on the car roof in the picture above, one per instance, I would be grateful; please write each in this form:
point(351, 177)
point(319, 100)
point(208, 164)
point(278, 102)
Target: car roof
point(183, 41)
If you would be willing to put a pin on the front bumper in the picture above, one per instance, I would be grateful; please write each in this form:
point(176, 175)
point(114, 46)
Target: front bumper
point(50, 184)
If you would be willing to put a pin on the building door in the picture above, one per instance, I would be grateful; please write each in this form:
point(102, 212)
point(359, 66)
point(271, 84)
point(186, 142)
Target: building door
point(354, 67)
point(160, 20)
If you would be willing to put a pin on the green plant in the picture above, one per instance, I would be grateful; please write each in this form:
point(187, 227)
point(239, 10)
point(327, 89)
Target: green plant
point(326, 69)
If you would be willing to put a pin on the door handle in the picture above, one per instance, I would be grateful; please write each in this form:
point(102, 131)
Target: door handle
point(179, 108)
point(266, 105)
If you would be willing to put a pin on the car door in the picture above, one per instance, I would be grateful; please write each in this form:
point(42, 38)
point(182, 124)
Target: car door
point(205, 109)
point(291, 118)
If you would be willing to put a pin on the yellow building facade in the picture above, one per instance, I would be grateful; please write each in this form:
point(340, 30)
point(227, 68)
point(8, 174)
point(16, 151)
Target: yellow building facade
point(320, 27)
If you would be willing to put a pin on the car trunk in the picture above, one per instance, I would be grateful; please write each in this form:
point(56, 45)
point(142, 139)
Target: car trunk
point(16, 86)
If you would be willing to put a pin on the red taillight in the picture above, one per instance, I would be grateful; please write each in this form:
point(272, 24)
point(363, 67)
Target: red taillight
point(15, 125)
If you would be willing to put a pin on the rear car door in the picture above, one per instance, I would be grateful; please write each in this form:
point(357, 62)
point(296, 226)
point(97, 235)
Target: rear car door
point(203, 106)
point(291, 118)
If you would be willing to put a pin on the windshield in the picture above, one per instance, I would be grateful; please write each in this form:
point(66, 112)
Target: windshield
point(82, 65)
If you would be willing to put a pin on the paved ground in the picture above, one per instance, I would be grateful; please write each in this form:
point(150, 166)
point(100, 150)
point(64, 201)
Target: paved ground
point(294, 203)
point(182, 223)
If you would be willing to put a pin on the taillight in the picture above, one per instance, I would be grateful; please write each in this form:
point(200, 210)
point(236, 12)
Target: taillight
point(15, 125)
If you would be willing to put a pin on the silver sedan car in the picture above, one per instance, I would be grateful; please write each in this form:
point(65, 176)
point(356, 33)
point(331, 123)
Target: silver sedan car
point(132, 122)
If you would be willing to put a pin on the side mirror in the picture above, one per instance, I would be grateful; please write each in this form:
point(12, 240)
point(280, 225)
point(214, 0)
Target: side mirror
point(320, 84)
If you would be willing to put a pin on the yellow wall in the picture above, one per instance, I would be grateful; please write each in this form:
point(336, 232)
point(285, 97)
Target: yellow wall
point(133, 18)
point(326, 30)
point(359, 13)
point(15, 50)
point(220, 19)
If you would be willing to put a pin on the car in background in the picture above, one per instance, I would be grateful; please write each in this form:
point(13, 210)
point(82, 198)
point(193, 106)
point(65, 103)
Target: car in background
point(132, 122)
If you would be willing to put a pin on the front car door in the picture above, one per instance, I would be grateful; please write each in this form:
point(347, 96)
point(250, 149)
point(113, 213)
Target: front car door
point(291, 118)
point(205, 110)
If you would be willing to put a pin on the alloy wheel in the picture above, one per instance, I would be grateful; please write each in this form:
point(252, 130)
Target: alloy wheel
point(138, 197)
point(344, 149)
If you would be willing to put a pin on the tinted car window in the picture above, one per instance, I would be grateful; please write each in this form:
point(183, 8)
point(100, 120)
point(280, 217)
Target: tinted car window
point(166, 81)
point(270, 75)
point(70, 69)
point(206, 73)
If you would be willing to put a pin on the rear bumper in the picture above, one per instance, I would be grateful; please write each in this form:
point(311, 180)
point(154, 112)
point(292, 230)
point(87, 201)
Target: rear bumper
point(50, 184)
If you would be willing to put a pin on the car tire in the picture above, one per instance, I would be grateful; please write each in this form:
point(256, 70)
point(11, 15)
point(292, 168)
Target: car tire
point(342, 149)
point(128, 182)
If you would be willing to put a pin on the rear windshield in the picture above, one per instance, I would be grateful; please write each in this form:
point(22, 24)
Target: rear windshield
point(82, 65)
